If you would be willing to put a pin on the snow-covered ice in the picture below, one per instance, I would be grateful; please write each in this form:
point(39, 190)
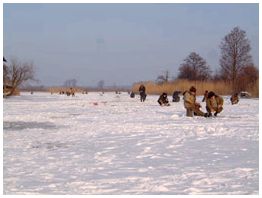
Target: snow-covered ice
point(114, 144)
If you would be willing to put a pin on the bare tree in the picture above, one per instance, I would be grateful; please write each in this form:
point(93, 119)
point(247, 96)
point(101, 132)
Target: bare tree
point(235, 54)
point(247, 78)
point(16, 74)
point(6, 77)
point(101, 84)
point(70, 83)
point(186, 72)
point(194, 68)
point(163, 78)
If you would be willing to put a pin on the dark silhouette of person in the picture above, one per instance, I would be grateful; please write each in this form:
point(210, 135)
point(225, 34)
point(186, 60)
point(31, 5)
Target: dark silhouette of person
point(163, 100)
point(142, 92)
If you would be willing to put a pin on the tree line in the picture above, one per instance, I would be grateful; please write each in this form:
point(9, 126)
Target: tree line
point(236, 66)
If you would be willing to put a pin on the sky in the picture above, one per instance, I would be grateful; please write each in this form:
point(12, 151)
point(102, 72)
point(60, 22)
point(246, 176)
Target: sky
point(120, 43)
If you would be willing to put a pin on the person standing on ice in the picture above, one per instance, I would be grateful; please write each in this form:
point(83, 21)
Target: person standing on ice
point(214, 103)
point(191, 105)
point(142, 92)
point(205, 96)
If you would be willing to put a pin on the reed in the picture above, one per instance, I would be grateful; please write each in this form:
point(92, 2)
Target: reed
point(219, 87)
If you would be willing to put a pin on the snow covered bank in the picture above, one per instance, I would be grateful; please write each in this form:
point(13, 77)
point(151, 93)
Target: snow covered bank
point(113, 144)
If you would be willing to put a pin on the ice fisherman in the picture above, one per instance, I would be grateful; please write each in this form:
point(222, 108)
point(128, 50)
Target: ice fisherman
point(176, 97)
point(205, 96)
point(142, 92)
point(163, 100)
point(132, 94)
point(214, 103)
point(234, 99)
point(191, 105)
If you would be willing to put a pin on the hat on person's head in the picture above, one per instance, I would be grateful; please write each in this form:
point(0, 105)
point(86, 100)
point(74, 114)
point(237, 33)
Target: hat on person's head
point(164, 94)
point(192, 89)
point(210, 94)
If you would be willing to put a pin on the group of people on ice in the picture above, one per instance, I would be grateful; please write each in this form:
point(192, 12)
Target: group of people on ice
point(214, 102)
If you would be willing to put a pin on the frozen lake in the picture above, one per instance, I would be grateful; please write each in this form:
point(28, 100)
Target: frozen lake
point(114, 144)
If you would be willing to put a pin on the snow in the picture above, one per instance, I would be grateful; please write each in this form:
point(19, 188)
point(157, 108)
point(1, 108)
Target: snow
point(114, 144)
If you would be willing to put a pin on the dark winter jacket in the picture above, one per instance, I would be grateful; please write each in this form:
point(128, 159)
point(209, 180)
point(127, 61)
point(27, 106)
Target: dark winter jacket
point(205, 96)
point(142, 89)
point(176, 97)
point(163, 100)
point(234, 99)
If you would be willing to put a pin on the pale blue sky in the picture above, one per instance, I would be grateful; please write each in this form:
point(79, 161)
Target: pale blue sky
point(120, 43)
